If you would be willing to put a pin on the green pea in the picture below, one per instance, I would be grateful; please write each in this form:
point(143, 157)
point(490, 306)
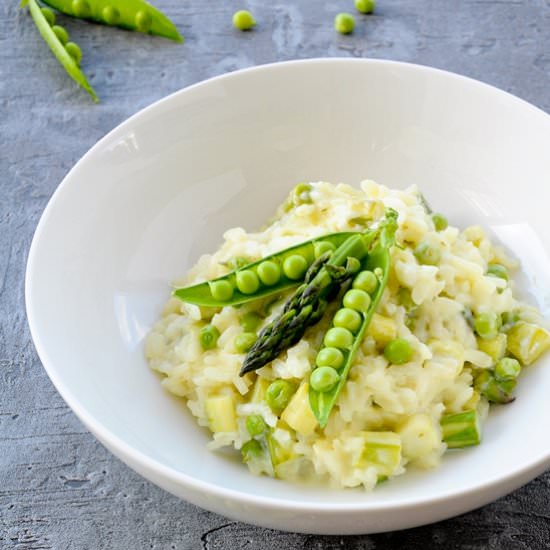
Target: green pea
point(497, 270)
point(244, 341)
point(427, 254)
point(320, 247)
point(278, 395)
point(221, 290)
point(330, 357)
point(365, 6)
point(208, 337)
point(295, 266)
point(323, 379)
point(366, 280)
point(143, 21)
point(110, 15)
point(440, 222)
point(487, 325)
point(250, 321)
point(255, 425)
point(243, 20)
point(338, 337)
point(347, 318)
point(74, 51)
point(49, 16)
point(302, 194)
point(357, 299)
point(269, 273)
point(496, 391)
point(61, 33)
point(251, 450)
point(507, 368)
point(353, 265)
point(344, 23)
point(247, 281)
point(81, 8)
point(398, 351)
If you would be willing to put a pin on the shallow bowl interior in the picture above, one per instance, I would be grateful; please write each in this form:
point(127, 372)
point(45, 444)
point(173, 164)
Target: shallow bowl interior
point(159, 190)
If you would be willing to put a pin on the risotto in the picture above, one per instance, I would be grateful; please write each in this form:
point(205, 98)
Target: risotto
point(315, 362)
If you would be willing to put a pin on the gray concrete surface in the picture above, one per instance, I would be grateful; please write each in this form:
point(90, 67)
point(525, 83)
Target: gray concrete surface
point(59, 488)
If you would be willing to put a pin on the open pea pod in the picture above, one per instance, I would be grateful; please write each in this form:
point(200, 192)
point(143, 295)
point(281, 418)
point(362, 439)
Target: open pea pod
point(340, 343)
point(136, 15)
point(58, 48)
point(270, 275)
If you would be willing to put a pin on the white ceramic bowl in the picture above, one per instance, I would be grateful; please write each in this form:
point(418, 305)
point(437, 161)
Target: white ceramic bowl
point(160, 189)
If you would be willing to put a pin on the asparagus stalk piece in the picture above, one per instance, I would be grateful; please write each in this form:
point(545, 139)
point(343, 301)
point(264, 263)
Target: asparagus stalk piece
point(461, 429)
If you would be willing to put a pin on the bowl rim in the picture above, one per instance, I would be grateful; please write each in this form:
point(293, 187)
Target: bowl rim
point(127, 452)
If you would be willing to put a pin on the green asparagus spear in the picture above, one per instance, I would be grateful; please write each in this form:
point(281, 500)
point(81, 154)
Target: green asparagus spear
point(461, 430)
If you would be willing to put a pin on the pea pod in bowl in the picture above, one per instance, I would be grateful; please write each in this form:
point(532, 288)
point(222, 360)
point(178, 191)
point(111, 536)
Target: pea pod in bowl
point(349, 324)
point(270, 275)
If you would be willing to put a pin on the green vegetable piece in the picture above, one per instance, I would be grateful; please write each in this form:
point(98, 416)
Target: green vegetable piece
point(295, 266)
point(338, 337)
point(493, 389)
point(323, 379)
point(377, 259)
point(344, 23)
point(330, 357)
point(221, 290)
point(322, 247)
point(80, 8)
point(347, 318)
point(208, 337)
point(461, 429)
point(487, 325)
point(427, 254)
point(110, 15)
point(440, 222)
point(244, 341)
point(57, 47)
point(509, 319)
point(74, 51)
point(247, 281)
point(61, 33)
point(353, 265)
point(278, 395)
point(507, 367)
point(269, 273)
point(365, 6)
point(255, 425)
point(398, 351)
point(250, 321)
point(301, 194)
point(251, 450)
point(497, 270)
point(366, 280)
point(136, 15)
point(268, 270)
point(405, 298)
point(357, 299)
point(49, 15)
point(243, 20)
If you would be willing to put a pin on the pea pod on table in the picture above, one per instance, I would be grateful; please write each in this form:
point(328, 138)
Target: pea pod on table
point(67, 53)
point(136, 15)
point(270, 275)
point(350, 322)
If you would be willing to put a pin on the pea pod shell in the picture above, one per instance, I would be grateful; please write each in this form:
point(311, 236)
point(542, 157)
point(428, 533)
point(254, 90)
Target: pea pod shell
point(160, 25)
point(322, 402)
point(200, 294)
point(58, 49)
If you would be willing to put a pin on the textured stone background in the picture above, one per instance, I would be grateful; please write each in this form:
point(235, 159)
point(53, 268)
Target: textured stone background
point(61, 489)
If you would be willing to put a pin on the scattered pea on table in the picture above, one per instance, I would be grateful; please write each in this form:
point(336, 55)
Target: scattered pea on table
point(365, 6)
point(344, 23)
point(243, 20)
